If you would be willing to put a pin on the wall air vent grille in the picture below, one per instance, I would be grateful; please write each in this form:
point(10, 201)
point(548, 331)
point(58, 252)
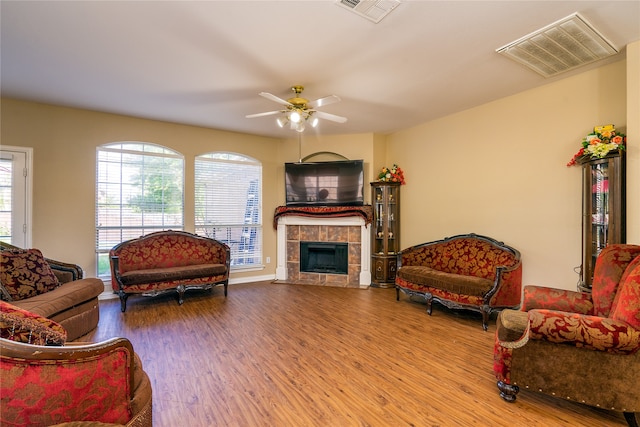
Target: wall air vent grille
point(562, 46)
point(373, 10)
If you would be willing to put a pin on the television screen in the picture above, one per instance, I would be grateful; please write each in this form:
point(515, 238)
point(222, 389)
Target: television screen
point(325, 183)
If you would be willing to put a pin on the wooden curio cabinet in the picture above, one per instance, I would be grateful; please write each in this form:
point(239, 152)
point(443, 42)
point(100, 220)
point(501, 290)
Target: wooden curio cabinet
point(385, 233)
point(603, 210)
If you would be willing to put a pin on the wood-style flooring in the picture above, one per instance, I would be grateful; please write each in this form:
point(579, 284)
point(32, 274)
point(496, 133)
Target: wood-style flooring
point(294, 355)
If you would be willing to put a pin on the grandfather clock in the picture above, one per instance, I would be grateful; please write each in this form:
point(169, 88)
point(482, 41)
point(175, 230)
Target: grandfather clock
point(385, 233)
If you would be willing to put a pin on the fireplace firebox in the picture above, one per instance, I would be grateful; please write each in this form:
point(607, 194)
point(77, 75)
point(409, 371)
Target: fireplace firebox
point(324, 257)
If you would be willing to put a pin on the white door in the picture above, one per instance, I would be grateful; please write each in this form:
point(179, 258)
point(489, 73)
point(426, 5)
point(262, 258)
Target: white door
point(15, 196)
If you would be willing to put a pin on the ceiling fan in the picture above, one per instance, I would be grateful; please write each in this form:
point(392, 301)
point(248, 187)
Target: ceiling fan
point(298, 111)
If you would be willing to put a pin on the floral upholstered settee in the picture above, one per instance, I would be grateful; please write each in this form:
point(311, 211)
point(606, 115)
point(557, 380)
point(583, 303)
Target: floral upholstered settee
point(167, 261)
point(50, 288)
point(592, 339)
point(45, 380)
point(467, 271)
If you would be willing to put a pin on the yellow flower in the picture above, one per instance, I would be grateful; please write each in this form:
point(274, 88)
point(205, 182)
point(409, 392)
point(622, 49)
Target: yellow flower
point(602, 129)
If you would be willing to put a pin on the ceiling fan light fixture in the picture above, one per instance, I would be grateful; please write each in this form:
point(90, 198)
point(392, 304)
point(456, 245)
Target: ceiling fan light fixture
point(299, 126)
point(295, 117)
point(281, 121)
point(299, 111)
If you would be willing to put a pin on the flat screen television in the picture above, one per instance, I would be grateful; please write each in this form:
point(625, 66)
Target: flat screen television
point(335, 183)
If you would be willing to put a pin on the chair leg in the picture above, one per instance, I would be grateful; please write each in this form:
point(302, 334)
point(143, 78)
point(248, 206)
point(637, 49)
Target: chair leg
point(429, 300)
point(180, 289)
point(508, 392)
point(485, 319)
point(631, 419)
point(123, 301)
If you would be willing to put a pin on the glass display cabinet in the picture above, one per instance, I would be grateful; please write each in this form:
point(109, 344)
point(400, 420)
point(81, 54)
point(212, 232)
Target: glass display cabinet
point(385, 233)
point(603, 210)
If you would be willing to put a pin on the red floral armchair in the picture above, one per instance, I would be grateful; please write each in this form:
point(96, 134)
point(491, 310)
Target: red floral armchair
point(579, 346)
point(45, 380)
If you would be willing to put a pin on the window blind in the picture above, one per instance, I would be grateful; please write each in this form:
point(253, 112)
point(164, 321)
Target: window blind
point(228, 205)
point(139, 190)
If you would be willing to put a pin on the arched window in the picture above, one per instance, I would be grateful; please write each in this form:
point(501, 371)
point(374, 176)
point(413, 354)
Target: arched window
point(228, 204)
point(139, 190)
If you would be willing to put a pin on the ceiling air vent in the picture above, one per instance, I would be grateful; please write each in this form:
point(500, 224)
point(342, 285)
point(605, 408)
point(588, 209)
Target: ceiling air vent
point(373, 10)
point(562, 46)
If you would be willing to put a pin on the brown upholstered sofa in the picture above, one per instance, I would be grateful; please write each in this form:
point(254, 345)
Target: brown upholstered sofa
point(168, 261)
point(467, 271)
point(579, 346)
point(63, 296)
point(45, 380)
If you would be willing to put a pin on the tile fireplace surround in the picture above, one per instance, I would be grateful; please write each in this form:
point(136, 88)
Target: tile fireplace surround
point(352, 230)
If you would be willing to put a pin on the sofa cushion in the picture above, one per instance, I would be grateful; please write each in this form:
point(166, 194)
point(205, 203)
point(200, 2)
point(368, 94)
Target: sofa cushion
point(137, 277)
point(454, 283)
point(52, 391)
point(24, 273)
point(62, 298)
point(21, 325)
point(626, 306)
point(611, 264)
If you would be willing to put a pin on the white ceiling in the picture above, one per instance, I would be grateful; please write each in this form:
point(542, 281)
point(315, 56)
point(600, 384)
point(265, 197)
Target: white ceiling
point(204, 62)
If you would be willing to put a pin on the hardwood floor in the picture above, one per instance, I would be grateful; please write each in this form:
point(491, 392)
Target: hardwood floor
point(293, 355)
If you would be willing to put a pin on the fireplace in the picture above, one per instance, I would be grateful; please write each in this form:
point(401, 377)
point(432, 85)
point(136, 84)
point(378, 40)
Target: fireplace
point(352, 231)
point(324, 257)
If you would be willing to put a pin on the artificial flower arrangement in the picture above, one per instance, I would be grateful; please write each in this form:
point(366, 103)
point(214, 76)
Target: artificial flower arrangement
point(598, 144)
point(394, 174)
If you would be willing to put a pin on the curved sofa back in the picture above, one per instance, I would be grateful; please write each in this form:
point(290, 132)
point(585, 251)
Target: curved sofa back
point(164, 249)
point(465, 254)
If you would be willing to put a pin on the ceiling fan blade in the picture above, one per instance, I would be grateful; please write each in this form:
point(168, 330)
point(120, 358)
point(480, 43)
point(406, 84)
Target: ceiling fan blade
point(275, 98)
point(268, 113)
point(331, 99)
point(327, 116)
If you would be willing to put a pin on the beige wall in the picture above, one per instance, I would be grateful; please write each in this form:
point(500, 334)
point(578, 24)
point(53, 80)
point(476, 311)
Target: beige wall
point(499, 170)
point(633, 136)
point(64, 142)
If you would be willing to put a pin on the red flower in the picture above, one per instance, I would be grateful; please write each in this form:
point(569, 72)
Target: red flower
point(576, 156)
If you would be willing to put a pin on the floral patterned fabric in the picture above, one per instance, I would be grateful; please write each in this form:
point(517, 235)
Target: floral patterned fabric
point(610, 265)
point(142, 288)
point(592, 332)
point(42, 393)
point(571, 318)
point(20, 325)
point(24, 273)
point(502, 357)
point(512, 331)
point(449, 296)
point(556, 299)
point(626, 306)
point(365, 212)
point(465, 256)
point(165, 250)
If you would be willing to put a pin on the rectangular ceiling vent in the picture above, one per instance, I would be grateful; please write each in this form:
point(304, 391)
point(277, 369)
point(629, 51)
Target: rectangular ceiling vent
point(373, 10)
point(562, 46)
